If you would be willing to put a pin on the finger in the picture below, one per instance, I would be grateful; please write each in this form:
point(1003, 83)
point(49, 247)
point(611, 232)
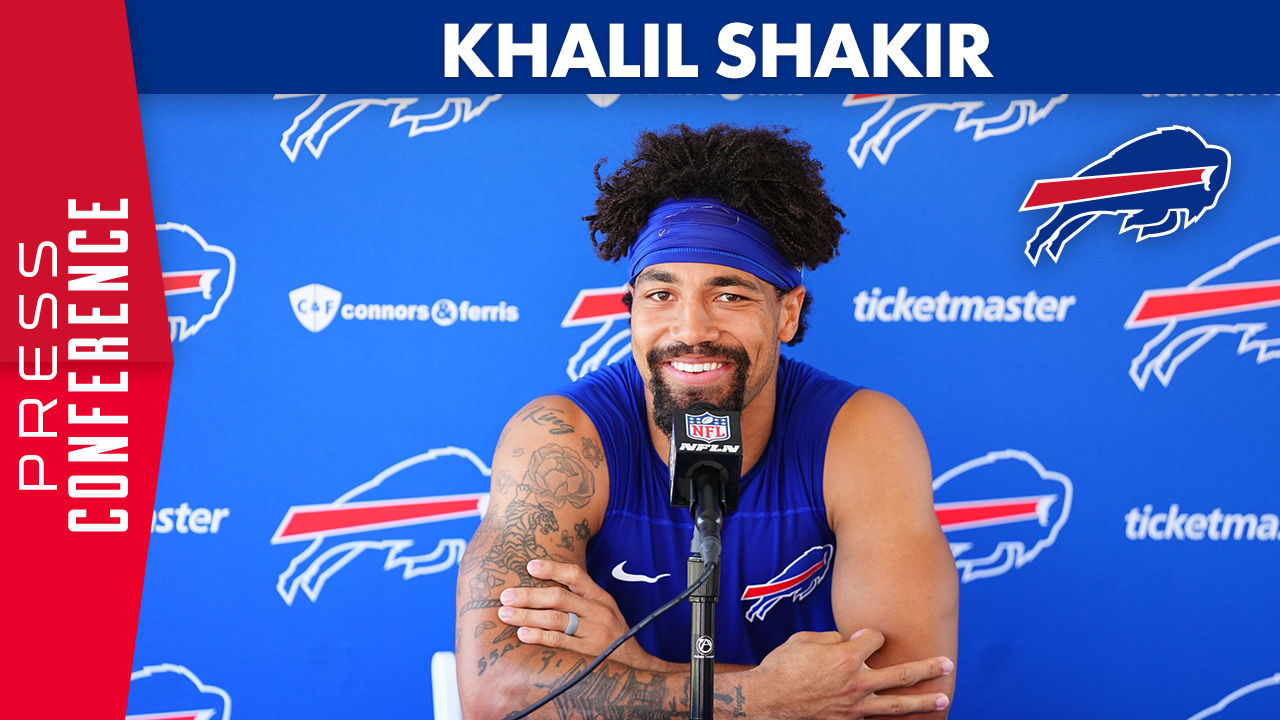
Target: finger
point(572, 576)
point(547, 638)
point(908, 674)
point(864, 643)
point(542, 619)
point(902, 704)
point(550, 598)
point(819, 638)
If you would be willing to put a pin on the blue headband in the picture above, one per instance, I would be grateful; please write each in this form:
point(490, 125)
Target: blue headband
point(703, 230)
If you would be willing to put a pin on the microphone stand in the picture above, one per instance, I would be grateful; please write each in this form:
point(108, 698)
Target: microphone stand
point(708, 491)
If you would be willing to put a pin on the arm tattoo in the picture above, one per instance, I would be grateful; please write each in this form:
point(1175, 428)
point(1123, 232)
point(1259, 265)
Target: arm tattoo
point(592, 452)
point(501, 548)
point(621, 695)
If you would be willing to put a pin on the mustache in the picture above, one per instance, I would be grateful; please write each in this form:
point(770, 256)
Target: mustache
point(736, 355)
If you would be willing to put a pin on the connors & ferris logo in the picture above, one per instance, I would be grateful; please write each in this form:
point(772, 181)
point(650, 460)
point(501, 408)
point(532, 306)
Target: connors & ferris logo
point(316, 305)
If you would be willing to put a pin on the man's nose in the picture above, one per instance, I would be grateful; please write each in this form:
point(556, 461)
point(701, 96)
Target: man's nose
point(694, 324)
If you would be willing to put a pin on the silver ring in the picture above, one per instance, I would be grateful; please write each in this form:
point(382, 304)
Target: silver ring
point(573, 624)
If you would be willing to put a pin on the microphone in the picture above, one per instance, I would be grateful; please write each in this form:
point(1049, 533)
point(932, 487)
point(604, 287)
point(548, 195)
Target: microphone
point(706, 466)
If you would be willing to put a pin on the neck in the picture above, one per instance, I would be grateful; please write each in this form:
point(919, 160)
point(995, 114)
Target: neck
point(757, 424)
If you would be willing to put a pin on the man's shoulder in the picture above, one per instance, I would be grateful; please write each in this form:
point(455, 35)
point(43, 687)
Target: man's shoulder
point(877, 463)
point(874, 416)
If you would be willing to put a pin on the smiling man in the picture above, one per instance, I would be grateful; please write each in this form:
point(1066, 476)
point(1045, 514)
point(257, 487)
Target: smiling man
point(838, 591)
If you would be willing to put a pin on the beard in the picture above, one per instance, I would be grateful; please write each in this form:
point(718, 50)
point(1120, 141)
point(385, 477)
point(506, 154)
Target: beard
point(666, 400)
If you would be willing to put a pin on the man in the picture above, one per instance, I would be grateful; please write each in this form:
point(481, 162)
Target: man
point(579, 540)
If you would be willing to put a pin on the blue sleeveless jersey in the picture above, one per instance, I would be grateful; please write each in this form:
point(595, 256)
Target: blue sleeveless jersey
point(778, 548)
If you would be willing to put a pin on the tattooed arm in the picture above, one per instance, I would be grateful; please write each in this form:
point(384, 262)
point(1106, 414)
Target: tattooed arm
point(548, 493)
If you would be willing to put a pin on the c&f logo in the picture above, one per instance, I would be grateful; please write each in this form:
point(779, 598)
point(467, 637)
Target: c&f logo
point(315, 305)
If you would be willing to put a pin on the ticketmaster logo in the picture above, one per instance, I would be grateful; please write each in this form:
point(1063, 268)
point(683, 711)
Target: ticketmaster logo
point(317, 305)
point(945, 307)
point(1216, 525)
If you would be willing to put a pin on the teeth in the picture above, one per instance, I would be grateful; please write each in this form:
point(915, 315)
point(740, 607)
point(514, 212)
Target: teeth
point(696, 367)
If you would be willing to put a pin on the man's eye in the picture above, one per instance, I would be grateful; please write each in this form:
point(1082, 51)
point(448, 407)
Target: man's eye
point(660, 295)
point(730, 297)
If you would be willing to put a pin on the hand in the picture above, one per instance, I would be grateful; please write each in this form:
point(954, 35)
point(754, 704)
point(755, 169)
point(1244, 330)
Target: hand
point(542, 615)
point(822, 675)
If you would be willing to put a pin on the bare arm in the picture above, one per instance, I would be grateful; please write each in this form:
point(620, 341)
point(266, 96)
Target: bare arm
point(547, 497)
point(893, 570)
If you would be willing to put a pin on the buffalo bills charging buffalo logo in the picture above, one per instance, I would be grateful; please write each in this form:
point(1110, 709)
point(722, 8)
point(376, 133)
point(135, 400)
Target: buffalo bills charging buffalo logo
point(797, 581)
point(391, 515)
point(1000, 511)
point(325, 115)
point(1238, 298)
point(603, 307)
point(898, 115)
point(197, 277)
point(1160, 182)
point(172, 692)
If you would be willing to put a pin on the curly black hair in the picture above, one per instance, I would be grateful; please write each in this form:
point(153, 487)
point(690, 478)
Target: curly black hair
point(758, 170)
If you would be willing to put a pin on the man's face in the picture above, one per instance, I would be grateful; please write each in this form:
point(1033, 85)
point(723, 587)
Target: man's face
point(707, 333)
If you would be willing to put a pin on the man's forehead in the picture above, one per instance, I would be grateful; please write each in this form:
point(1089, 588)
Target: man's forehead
point(698, 274)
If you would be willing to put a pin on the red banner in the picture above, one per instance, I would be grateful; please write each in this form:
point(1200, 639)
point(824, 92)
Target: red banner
point(87, 360)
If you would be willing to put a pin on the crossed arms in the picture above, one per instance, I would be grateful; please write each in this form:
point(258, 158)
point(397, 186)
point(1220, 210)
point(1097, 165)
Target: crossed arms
point(549, 489)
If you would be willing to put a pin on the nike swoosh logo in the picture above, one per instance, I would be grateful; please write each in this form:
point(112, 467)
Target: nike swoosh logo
point(625, 576)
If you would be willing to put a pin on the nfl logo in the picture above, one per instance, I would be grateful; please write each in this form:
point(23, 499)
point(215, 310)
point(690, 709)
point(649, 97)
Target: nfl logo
point(708, 427)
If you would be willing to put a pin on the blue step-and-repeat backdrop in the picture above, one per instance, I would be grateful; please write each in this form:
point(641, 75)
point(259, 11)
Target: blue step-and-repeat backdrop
point(1078, 297)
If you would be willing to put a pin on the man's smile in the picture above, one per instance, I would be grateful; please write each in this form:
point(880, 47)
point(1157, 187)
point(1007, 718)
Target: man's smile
point(697, 370)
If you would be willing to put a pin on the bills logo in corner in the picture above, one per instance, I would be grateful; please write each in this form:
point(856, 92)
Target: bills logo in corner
point(399, 514)
point(197, 278)
point(999, 511)
point(603, 307)
point(172, 692)
point(1239, 297)
point(884, 129)
point(1160, 182)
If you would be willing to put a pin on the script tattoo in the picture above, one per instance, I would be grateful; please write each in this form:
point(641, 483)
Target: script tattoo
point(549, 418)
point(733, 702)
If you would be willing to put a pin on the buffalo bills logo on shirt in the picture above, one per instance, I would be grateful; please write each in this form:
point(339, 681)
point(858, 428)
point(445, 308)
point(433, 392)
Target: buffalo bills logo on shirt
point(796, 581)
point(708, 427)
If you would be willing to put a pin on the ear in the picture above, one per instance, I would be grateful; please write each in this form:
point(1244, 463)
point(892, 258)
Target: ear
point(789, 313)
